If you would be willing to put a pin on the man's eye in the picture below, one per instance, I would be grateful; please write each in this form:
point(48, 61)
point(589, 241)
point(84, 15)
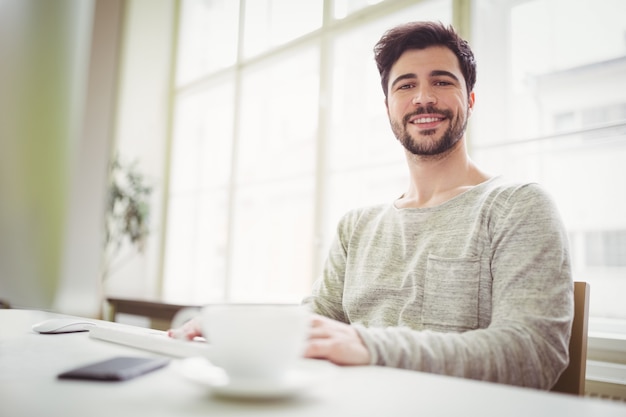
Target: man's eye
point(442, 83)
point(405, 86)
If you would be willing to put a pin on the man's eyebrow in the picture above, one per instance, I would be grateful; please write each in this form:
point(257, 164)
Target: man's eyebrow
point(403, 77)
point(437, 73)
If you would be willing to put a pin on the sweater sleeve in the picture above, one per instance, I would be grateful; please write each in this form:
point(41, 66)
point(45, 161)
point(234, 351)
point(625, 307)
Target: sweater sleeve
point(526, 342)
point(327, 295)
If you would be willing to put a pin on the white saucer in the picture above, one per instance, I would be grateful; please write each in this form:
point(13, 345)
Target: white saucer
point(306, 373)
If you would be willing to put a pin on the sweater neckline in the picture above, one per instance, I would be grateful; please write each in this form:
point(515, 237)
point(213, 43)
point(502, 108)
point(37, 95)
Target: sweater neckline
point(457, 199)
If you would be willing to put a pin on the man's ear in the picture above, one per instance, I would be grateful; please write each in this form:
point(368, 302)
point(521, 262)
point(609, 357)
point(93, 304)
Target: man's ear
point(387, 106)
point(470, 103)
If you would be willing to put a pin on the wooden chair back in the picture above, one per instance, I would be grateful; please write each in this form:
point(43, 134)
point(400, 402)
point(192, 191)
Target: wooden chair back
point(572, 380)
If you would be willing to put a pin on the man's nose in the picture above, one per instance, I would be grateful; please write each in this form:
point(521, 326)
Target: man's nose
point(424, 95)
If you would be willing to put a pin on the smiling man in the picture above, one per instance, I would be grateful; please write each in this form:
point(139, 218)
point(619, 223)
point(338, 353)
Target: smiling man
point(465, 274)
point(423, 96)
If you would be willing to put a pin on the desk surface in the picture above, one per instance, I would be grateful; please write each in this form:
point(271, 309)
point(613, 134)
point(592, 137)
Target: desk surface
point(29, 363)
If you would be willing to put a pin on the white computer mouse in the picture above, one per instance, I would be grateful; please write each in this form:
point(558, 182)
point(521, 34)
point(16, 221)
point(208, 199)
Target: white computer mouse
point(63, 325)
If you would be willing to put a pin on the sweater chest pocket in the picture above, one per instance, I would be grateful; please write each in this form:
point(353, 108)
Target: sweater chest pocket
point(451, 294)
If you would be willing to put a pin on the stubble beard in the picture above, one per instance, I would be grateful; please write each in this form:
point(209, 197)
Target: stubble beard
point(433, 147)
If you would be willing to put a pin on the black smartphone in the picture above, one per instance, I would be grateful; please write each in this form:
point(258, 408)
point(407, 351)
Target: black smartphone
point(116, 369)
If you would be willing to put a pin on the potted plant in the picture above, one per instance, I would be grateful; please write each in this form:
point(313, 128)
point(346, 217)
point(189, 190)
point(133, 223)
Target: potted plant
point(126, 217)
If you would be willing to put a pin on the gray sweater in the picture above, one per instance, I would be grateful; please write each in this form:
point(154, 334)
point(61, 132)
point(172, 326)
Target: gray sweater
point(477, 287)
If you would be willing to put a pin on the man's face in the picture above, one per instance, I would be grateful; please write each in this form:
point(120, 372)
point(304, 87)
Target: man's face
point(427, 101)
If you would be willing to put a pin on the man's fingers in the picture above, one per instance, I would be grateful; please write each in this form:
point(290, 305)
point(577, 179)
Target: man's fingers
point(188, 331)
point(320, 333)
point(317, 349)
point(320, 321)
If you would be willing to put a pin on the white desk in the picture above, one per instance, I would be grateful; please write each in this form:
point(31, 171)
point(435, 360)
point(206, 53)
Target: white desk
point(29, 363)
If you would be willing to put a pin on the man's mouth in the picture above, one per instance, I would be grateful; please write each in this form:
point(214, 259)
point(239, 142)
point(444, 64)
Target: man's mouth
point(422, 119)
point(424, 122)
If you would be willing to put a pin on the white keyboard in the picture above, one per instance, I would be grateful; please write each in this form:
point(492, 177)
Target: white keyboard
point(149, 339)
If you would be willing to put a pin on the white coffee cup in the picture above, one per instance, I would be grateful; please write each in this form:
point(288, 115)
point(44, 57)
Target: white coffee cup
point(259, 342)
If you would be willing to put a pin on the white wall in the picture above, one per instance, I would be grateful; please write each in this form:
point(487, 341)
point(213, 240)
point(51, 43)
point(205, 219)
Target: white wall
point(59, 115)
point(142, 128)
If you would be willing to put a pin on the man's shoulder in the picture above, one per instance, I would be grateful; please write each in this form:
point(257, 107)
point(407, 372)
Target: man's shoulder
point(506, 196)
point(505, 189)
point(365, 212)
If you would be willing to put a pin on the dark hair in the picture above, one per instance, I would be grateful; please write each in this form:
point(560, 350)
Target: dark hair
point(420, 35)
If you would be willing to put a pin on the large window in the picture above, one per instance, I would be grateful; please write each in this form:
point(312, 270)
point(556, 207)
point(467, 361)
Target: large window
point(280, 128)
point(551, 107)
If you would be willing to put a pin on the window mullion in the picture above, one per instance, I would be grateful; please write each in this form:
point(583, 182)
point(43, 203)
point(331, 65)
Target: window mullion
point(233, 181)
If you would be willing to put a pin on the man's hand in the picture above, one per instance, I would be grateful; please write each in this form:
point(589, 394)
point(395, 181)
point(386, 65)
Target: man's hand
point(188, 330)
point(337, 342)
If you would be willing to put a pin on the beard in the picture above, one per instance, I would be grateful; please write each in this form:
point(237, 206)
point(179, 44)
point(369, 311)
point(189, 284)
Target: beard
point(432, 146)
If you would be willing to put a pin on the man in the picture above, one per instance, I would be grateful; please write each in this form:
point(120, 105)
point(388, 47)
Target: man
point(464, 274)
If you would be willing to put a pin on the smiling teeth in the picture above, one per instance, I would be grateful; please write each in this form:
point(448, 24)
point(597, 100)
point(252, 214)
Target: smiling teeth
point(426, 120)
